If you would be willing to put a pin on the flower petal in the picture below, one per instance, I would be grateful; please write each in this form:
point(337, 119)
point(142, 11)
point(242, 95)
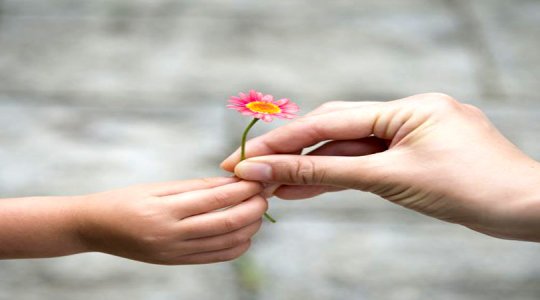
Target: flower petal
point(281, 102)
point(290, 108)
point(241, 103)
point(288, 116)
point(244, 97)
point(268, 98)
point(267, 118)
point(253, 95)
point(236, 103)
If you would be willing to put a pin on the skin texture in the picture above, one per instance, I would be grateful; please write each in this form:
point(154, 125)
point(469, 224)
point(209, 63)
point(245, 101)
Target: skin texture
point(186, 222)
point(428, 152)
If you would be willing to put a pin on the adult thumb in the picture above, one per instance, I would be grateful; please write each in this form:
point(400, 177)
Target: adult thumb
point(357, 172)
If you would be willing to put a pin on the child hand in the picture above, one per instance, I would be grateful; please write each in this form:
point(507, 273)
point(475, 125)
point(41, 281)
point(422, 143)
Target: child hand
point(189, 222)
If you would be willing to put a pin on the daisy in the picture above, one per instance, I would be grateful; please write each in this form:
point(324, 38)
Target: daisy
point(263, 107)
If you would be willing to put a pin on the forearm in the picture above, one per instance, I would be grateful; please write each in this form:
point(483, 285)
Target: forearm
point(39, 227)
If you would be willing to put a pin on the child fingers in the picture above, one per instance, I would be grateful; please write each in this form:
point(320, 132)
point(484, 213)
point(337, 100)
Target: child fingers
point(213, 256)
point(221, 242)
point(233, 159)
point(225, 221)
point(207, 200)
point(161, 189)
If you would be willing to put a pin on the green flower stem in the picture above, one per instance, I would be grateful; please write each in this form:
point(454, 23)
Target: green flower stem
point(244, 138)
point(269, 218)
point(243, 156)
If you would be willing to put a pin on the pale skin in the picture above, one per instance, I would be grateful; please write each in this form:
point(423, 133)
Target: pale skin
point(428, 152)
point(186, 222)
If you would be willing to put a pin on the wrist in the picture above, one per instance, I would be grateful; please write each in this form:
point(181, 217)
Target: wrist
point(527, 208)
point(76, 215)
point(518, 211)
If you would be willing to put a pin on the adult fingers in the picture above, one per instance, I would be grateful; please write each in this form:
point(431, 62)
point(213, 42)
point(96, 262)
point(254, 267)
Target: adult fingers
point(346, 172)
point(213, 256)
point(207, 200)
point(358, 147)
point(347, 124)
point(392, 121)
point(224, 221)
point(220, 242)
point(329, 107)
point(295, 192)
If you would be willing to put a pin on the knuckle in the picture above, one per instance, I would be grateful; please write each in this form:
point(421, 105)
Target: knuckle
point(304, 172)
point(154, 253)
point(436, 104)
point(236, 239)
point(206, 180)
point(220, 198)
point(163, 258)
point(442, 101)
point(474, 110)
point(154, 242)
point(439, 96)
point(231, 224)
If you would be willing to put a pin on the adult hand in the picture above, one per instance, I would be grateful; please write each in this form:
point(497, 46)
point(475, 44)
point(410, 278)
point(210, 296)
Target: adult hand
point(427, 152)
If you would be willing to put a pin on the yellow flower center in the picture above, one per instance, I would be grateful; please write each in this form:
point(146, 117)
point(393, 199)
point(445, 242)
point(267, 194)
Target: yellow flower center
point(264, 107)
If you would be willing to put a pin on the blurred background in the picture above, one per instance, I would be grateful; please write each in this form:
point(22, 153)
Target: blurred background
point(101, 94)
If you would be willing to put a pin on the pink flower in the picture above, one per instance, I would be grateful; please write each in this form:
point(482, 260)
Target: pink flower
point(263, 107)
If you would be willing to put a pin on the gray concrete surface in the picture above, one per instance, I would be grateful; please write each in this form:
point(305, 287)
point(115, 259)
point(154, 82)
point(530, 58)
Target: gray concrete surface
point(102, 94)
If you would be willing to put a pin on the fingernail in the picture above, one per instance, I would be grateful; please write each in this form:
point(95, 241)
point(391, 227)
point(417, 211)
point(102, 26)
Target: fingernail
point(254, 171)
point(222, 165)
